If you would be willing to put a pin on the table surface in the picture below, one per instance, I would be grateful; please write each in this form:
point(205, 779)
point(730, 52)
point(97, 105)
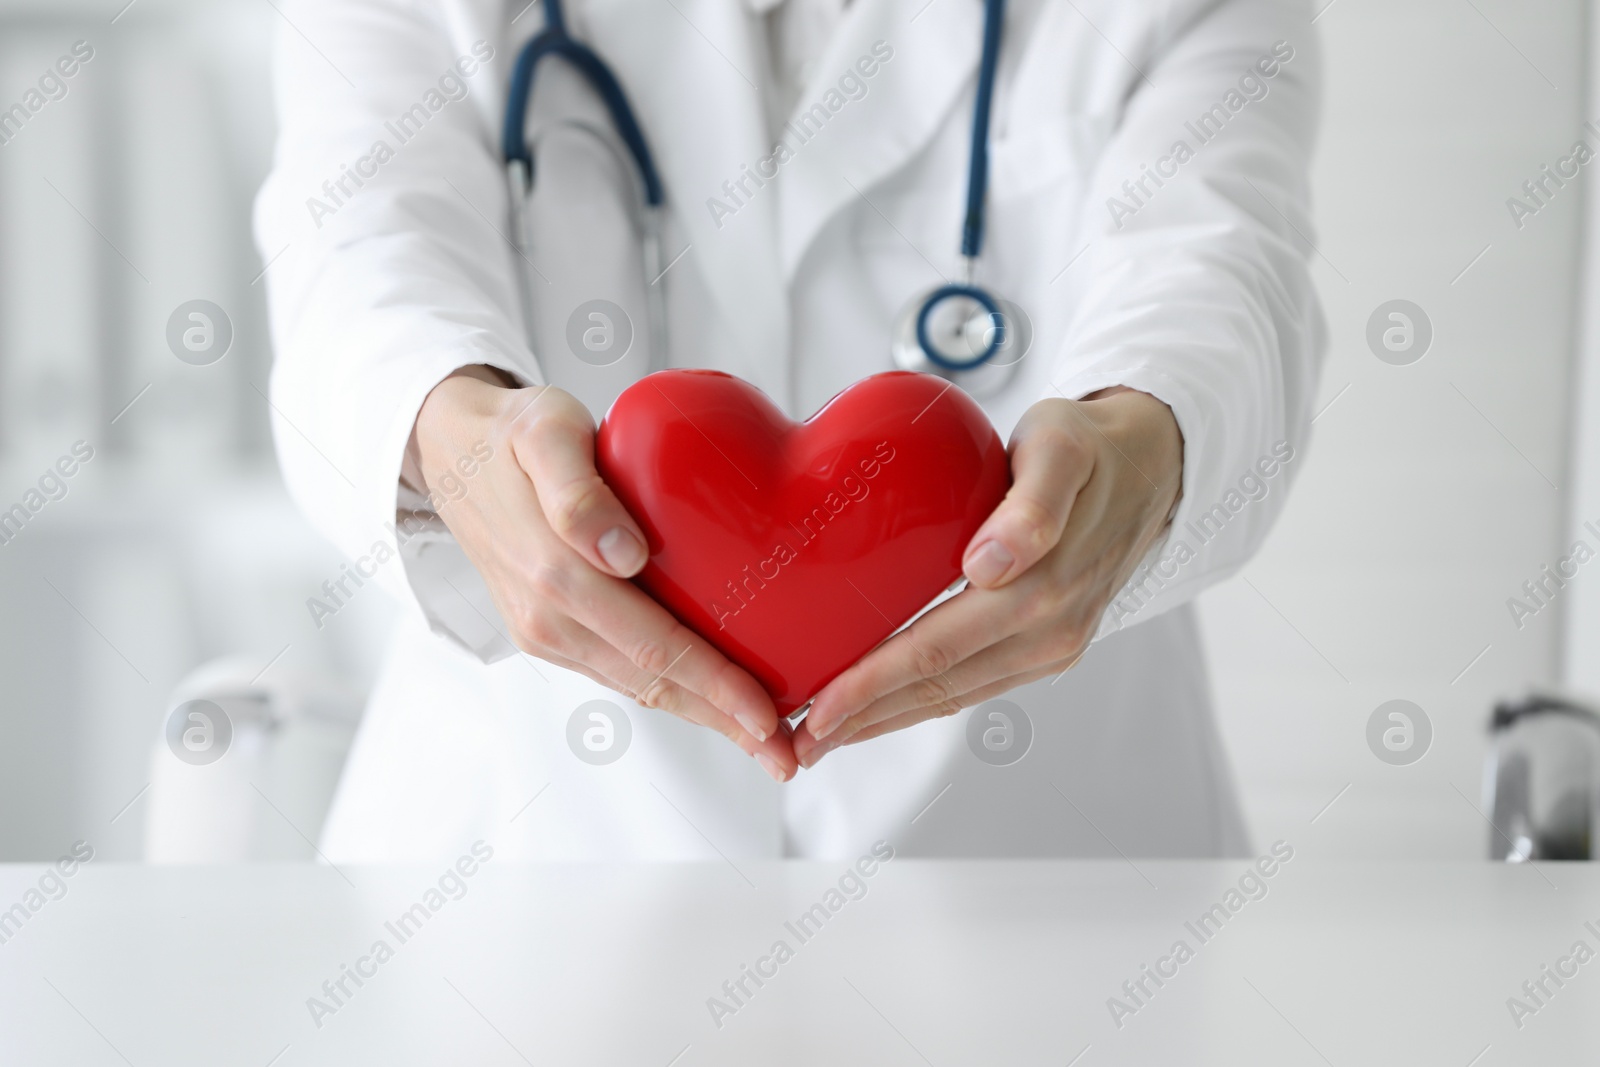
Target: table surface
point(923, 963)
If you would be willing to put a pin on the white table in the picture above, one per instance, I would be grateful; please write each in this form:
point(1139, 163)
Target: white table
point(939, 963)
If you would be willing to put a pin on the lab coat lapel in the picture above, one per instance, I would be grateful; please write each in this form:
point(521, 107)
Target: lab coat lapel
point(692, 70)
point(935, 55)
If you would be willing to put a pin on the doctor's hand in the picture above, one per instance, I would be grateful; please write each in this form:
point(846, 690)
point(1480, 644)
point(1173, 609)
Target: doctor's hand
point(1093, 484)
point(556, 548)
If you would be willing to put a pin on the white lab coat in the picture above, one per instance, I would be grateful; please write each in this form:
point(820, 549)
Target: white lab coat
point(1199, 295)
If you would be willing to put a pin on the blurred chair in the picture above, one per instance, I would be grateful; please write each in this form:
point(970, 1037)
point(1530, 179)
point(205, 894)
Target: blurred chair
point(1542, 780)
point(260, 760)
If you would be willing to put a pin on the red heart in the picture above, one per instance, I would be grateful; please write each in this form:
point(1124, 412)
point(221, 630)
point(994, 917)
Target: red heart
point(795, 548)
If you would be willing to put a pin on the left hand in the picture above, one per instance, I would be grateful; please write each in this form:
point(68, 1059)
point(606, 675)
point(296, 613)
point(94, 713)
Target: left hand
point(1093, 482)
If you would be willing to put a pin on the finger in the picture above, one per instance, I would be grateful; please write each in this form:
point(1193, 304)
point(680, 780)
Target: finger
point(1021, 654)
point(811, 755)
point(663, 649)
point(552, 581)
point(1049, 465)
point(924, 652)
point(553, 438)
point(586, 652)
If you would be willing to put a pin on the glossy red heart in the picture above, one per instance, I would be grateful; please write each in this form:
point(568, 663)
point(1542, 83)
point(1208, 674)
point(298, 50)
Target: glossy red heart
point(795, 548)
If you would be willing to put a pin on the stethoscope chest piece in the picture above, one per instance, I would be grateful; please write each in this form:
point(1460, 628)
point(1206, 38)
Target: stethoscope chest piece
point(964, 334)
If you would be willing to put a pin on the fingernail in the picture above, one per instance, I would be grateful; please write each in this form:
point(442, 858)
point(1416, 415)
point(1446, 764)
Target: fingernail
point(822, 731)
point(989, 563)
point(749, 723)
point(768, 765)
point(621, 550)
point(815, 755)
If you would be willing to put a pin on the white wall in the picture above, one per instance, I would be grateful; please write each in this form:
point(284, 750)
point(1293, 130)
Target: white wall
point(176, 543)
point(1423, 503)
point(1581, 646)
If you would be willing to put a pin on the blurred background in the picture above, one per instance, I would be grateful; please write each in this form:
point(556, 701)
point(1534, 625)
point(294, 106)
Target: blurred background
point(1431, 491)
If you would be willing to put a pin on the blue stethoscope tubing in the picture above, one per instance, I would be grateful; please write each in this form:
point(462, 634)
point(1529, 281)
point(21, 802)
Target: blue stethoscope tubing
point(914, 348)
point(555, 40)
point(973, 221)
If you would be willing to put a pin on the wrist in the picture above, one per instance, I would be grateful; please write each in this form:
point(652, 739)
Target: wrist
point(462, 410)
point(1143, 432)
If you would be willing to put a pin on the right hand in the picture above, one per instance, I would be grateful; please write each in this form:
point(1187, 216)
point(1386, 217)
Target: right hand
point(556, 549)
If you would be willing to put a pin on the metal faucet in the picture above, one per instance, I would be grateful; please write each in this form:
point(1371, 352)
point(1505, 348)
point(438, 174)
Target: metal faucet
point(1542, 780)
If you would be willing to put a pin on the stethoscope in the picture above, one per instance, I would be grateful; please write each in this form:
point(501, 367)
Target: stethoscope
point(958, 330)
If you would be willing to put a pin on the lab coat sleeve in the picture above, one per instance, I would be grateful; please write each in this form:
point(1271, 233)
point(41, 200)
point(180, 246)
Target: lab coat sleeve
point(382, 224)
point(1196, 287)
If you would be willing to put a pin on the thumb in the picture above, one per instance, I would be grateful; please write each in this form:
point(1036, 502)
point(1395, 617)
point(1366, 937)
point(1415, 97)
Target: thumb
point(1050, 463)
point(555, 445)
